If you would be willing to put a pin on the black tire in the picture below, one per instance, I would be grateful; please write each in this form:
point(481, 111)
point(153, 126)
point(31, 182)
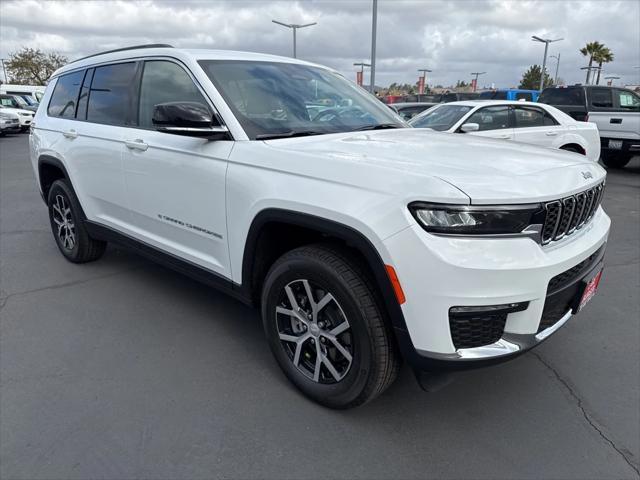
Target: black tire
point(374, 362)
point(72, 237)
point(24, 129)
point(615, 159)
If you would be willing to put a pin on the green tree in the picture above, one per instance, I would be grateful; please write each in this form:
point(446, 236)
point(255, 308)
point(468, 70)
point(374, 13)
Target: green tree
point(604, 55)
point(590, 50)
point(30, 66)
point(461, 84)
point(531, 78)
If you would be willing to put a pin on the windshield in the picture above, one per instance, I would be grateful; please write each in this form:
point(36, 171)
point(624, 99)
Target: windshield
point(28, 99)
point(440, 118)
point(21, 101)
point(272, 99)
point(9, 102)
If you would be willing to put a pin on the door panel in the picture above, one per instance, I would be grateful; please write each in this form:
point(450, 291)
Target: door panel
point(176, 184)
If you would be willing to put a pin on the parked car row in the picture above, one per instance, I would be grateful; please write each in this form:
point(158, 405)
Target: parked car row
point(9, 122)
point(9, 103)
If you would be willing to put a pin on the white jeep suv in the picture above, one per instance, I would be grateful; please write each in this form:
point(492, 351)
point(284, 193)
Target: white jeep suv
point(361, 240)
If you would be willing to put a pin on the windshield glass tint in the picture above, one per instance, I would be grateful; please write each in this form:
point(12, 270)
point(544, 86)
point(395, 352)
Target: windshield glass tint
point(272, 97)
point(440, 118)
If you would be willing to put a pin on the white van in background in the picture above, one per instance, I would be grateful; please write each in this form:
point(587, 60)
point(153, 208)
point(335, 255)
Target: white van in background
point(34, 91)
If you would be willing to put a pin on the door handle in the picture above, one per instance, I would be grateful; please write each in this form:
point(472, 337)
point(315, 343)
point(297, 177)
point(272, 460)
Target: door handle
point(615, 120)
point(136, 144)
point(70, 134)
point(551, 134)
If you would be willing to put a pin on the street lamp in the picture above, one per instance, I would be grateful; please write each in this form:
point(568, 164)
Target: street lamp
point(374, 24)
point(423, 80)
point(475, 82)
point(611, 78)
point(294, 27)
point(360, 74)
point(590, 69)
point(557, 57)
point(546, 42)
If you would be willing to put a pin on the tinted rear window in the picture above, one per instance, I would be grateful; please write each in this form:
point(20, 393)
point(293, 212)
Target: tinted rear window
point(601, 97)
point(524, 96)
point(111, 96)
point(65, 95)
point(562, 96)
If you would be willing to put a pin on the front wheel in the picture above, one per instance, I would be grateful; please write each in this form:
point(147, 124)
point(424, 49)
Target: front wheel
point(325, 328)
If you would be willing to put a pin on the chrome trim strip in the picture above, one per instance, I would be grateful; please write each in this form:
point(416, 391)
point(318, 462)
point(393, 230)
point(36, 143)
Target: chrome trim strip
point(552, 329)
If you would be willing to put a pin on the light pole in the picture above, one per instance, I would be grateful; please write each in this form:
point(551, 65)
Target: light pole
point(546, 42)
point(475, 82)
point(360, 74)
point(294, 27)
point(557, 57)
point(423, 80)
point(374, 23)
point(590, 69)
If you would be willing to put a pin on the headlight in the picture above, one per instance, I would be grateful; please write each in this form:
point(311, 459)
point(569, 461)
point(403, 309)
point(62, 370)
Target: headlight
point(476, 220)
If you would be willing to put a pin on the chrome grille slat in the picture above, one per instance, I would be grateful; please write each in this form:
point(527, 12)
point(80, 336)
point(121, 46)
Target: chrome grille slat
point(565, 216)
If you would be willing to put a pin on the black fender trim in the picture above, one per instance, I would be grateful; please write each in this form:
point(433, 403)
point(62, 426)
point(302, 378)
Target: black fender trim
point(53, 161)
point(351, 236)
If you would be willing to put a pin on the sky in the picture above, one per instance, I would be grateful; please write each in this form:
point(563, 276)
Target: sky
point(452, 38)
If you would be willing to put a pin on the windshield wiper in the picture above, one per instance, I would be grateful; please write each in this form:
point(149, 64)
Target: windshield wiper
point(379, 126)
point(288, 134)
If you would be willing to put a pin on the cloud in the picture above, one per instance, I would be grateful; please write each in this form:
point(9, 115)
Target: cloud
point(452, 38)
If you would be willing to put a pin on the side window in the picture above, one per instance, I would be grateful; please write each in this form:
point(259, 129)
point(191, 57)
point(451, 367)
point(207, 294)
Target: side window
point(500, 96)
point(65, 95)
point(163, 82)
point(532, 117)
point(491, 118)
point(601, 97)
point(628, 100)
point(81, 111)
point(111, 94)
point(524, 96)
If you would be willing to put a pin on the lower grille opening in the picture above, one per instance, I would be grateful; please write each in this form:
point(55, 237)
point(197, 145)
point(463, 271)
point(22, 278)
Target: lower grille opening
point(480, 325)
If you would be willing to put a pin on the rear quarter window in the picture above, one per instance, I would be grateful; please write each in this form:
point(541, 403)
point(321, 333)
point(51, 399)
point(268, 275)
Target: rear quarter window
point(65, 95)
point(601, 97)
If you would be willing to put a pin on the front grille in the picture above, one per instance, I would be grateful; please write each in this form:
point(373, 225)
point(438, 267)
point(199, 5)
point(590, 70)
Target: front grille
point(565, 216)
point(562, 291)
point(477, 330)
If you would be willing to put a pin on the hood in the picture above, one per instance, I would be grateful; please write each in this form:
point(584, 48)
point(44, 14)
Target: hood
point(16, 110)
point(486, 170)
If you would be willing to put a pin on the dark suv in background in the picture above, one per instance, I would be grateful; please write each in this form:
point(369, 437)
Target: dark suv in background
point(615, 110)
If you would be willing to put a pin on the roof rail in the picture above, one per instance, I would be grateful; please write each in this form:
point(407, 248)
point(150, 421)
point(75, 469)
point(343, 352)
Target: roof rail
point(135, 47)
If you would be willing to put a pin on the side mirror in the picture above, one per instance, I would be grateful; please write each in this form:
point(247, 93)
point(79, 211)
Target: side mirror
point(191, 119)
point(470, 127)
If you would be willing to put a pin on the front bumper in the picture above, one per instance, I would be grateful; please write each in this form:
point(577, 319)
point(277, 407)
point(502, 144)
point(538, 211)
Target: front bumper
point(438, 273)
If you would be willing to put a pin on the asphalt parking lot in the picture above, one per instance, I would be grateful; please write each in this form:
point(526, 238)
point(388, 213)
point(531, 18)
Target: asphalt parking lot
point(124, 369)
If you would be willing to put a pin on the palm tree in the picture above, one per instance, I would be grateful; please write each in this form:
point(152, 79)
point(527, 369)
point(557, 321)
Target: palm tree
point(589, 50)
point(604, 55)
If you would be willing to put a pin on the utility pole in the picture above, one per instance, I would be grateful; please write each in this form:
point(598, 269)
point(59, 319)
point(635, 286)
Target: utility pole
point(294, 27)
point(360, 74)
point(475, 82)
point(610, 79)
point(546, 42)
point(374, 22)
point(557, 57)
point(423, 80)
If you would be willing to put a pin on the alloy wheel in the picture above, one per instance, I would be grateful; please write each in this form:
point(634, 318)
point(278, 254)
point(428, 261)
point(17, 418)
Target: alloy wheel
point(314, 332)
point(63, 219)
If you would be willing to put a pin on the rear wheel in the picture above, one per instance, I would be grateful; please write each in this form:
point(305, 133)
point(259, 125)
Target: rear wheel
point(571, 148)
point(325, 328)
point(67, 225)
point(615, 159)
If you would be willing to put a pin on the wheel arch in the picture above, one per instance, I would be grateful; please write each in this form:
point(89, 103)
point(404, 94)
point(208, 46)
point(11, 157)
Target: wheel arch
point(50, 169)
point(255, 263)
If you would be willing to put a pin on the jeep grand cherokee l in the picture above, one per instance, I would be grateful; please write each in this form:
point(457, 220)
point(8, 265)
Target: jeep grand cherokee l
point(361, 240)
